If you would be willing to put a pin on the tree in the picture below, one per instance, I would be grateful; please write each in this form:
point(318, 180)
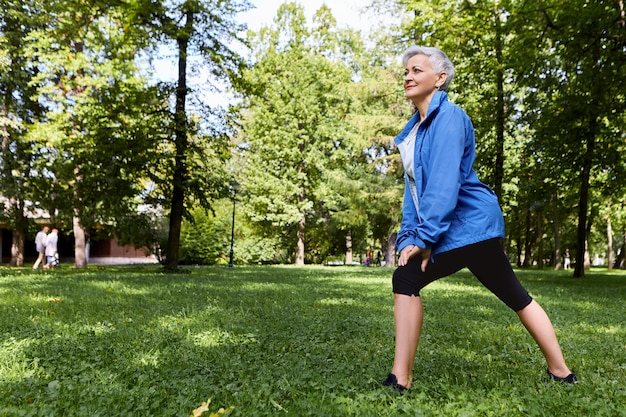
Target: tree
point(96, 140)
point(378, 113)
point(208, 30)
point(294, 129)
point(19, 111)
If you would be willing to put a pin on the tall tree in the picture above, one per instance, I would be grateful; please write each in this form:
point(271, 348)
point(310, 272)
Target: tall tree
point(378, 113)
point(294, 129)
point(19, 111)
point(97, 140)
point(208, 30)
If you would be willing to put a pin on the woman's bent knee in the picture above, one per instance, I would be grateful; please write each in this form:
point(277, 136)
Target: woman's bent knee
point(404, 282)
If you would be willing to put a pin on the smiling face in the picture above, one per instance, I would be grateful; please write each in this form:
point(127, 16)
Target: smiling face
point(420, 80)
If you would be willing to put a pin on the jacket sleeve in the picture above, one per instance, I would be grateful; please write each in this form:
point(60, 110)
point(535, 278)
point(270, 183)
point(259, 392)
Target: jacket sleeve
point(408, 234)
point(442, 173)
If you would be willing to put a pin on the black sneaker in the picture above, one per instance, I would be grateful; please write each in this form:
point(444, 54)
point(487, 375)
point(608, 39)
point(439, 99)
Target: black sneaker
point(392, 382)
point(570, 379)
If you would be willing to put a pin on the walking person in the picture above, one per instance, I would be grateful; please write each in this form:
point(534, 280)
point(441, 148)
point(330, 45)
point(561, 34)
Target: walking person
point(566, 260)
point(52, 253)
point(40, 245)
point(450, 219)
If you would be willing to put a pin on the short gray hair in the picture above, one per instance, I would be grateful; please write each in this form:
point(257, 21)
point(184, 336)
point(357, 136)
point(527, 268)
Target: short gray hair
point(438, 60)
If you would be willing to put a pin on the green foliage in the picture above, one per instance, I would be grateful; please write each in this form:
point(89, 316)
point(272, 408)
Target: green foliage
point(84, 135)
point(315, 135)
point(91, 139)
point(205, 238)
point(206, 30)
point(130, 341)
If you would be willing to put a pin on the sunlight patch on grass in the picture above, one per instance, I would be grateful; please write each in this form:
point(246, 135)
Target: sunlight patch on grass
point(150, 358)
point(453, 289)
point(217, 337)
point(100, 328)
point(210, 338)
point(338, 301)
point(14, 363)
point(585, 306)
point(269, 286)
point(368, 280)
point(612, 329)
point(43, 298)
point(174, 322)
point(120, 287)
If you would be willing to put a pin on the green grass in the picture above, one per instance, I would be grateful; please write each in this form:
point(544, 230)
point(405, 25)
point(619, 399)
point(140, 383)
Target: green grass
point(314, 341)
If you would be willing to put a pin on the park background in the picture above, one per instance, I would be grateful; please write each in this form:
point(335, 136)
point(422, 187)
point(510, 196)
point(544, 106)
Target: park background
point(286, 130)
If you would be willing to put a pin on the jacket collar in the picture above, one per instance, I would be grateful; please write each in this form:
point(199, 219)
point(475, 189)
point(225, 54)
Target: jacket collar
point(438, 99)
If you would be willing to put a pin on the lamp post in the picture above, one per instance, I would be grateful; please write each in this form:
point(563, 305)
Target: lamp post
point(235, 185)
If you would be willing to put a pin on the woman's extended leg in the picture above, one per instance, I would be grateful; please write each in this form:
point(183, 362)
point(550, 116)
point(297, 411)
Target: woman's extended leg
point(408, 315)
point(538, 324)
point(497, 275)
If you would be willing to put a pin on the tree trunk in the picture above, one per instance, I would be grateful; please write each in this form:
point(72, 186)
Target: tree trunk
point(583, 201)
point(609, 246)
point(15, 205)
point(80, 249)
point(621, 259)
point(557, 236)
point(349, 248)
point(180, 132)
point(500, 110)
point(80, 252)
point(17, 247)
point(585, 173)
point(518, 239)
point(390, 253)
point(527, 243)
point(540, 239)
point(300, 244)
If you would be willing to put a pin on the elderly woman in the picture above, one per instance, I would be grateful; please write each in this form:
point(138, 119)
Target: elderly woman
point(450, 220)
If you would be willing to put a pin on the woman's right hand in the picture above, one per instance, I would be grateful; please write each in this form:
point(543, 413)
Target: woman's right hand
point(407, 253)
point(410, 251)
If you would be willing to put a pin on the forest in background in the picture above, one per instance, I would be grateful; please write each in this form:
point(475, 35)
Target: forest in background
point(302, 158)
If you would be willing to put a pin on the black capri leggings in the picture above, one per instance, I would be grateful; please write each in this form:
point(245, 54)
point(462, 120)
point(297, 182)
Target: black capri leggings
point(486, 260)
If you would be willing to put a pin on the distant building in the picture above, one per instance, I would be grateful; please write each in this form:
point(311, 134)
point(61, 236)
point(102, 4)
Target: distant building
point(102, 251)
point(106, 251)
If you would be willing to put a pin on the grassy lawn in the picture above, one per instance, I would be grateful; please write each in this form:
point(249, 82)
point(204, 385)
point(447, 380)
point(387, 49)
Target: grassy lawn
point(314, 341)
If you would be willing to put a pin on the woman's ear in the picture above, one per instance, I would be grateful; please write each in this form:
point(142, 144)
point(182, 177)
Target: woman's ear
point(443, 76)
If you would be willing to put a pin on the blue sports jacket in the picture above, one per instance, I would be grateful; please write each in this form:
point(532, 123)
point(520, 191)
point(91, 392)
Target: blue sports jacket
point(455, 208)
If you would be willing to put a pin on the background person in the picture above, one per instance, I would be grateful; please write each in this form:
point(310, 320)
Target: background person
point(52, 253)
point(450, 220)
point(40, 245)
